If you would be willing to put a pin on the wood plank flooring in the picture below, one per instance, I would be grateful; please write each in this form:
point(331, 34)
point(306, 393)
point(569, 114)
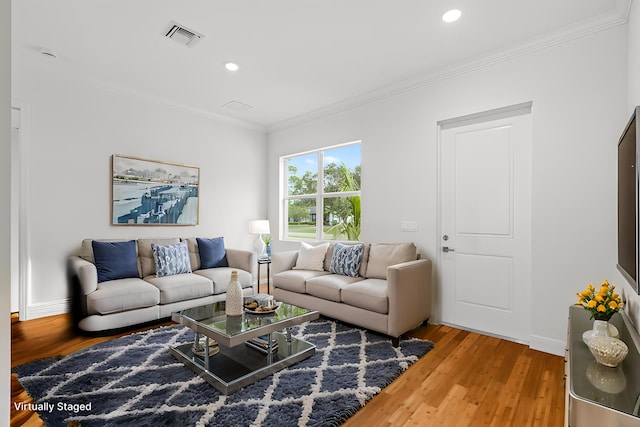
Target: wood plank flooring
point(466, 380)
point(471, 380)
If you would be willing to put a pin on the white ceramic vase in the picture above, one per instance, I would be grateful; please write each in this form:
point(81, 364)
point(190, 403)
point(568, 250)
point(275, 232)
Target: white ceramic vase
point(600, 328)
point(233, 305)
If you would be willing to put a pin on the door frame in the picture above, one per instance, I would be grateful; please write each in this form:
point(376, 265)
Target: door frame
point(22, 187)
point(470, 119)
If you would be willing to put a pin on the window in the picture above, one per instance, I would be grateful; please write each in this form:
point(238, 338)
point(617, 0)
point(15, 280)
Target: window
point(322, 194)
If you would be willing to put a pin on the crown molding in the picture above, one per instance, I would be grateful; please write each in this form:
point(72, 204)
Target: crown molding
point(603, 22)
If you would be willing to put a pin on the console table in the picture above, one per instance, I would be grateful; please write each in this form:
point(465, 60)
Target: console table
point(596, 395)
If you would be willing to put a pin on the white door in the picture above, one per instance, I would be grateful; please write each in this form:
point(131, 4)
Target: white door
point(485, 223)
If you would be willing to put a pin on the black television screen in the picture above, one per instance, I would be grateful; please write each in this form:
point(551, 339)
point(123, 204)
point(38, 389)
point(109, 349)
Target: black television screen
point(628, 201)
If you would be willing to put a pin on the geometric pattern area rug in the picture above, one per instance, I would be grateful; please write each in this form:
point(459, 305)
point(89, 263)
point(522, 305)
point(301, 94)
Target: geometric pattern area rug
point(135, 381)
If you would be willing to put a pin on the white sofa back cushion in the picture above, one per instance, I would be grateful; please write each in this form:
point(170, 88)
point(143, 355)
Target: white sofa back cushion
point(382, 255)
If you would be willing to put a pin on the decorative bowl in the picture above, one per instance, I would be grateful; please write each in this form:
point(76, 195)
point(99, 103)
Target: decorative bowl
point(587, 336)
point(608, 351)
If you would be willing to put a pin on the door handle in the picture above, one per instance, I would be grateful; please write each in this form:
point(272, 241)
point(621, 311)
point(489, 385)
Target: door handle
point(447, 249)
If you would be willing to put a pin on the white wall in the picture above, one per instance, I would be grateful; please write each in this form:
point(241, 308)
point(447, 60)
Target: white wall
point(5, 208)
point(633, 99)
point(578, 94)
point(633, 49)
point(75, 127)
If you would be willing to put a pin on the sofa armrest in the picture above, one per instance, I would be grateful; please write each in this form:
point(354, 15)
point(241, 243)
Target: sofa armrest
point(409, 293)
point(86, 272)
point(243, 260)
point(283, 261)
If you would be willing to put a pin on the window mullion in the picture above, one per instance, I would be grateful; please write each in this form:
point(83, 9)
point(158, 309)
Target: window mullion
point(284, 187)
point(301, 196)
point(320, 197)
point(342, 194)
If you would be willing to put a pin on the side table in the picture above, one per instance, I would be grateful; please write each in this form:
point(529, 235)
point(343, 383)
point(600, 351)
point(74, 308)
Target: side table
point(266, 261)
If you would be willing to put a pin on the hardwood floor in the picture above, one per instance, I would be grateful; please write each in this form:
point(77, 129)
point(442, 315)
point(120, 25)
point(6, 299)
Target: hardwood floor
point(467, 379)
point(471, 380)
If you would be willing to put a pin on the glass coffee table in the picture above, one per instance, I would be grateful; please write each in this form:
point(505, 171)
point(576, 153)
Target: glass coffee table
point(239, 361)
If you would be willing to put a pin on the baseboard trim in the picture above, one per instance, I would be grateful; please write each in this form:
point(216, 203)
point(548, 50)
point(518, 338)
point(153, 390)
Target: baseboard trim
point(547, 345)
point(44, 309)
point(536, 342)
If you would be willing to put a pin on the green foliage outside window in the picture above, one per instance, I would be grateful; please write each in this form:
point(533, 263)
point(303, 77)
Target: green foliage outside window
point(346, 209)
point(341, 213)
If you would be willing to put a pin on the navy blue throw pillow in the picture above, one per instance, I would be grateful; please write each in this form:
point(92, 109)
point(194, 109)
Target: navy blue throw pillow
point(212, 252)
point(115, 260)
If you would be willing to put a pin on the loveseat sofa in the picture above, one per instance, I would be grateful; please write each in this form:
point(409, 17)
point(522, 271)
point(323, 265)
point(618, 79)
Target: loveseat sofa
point(124, 283)
point(381, 287)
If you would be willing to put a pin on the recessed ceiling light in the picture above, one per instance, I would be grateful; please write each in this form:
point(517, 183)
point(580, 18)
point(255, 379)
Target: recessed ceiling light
point(452, 15)
point(231, 66)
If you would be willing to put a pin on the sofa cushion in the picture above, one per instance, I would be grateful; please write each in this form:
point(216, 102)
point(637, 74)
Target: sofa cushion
point(194, 253)
point(295, 280)
point(346, 259)
point(181, 287)
point(382, 255)
point(221, 276)
point(145, 253)
point(122, 295)
point(171, 259)
point(329, 256)
point(311, 257)
point(212, 253)
point(115, 260)
point(370, 294)
point(329, 286)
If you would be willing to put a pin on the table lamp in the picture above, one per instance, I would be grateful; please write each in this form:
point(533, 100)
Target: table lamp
point(260, 227)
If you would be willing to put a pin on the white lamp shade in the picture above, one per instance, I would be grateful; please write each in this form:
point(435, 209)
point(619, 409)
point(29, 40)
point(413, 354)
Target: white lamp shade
point(259, 226)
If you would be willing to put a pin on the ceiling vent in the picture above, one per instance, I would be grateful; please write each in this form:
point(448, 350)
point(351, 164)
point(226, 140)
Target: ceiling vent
point(237, 106)
point(182, 34)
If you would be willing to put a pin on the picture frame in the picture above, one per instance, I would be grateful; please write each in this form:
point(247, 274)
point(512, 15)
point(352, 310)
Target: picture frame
point(153, 192)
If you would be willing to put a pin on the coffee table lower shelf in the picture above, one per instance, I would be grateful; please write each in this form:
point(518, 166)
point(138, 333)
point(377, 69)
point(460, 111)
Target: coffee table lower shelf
point(235, 367)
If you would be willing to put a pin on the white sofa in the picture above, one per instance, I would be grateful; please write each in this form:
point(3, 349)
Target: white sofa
point(120, 303)
point(391, 293)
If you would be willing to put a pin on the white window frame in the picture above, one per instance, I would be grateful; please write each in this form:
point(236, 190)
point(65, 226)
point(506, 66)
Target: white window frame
point(319, 196)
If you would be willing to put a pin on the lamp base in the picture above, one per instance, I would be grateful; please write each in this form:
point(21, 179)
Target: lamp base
point(260, 247)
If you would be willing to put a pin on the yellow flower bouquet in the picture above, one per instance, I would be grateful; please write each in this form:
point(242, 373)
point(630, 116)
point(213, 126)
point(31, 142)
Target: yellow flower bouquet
point(601, 304)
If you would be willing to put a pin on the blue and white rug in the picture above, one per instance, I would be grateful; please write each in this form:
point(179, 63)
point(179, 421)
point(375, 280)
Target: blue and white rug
point(135, 381)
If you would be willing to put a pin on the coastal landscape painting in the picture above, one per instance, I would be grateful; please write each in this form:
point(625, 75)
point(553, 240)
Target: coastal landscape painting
point(151, 192)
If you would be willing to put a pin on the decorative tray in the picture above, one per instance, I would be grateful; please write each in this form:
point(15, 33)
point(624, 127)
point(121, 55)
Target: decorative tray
point(262, 310)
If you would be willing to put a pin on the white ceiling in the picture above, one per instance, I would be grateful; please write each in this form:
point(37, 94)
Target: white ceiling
point(297, 58)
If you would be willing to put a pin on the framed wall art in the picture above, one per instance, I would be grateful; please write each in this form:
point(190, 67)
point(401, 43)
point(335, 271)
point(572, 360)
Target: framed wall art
point(151, 192)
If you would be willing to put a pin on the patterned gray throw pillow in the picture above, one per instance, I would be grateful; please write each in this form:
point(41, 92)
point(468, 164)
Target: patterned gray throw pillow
point(172, 259)
point(346, 259)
